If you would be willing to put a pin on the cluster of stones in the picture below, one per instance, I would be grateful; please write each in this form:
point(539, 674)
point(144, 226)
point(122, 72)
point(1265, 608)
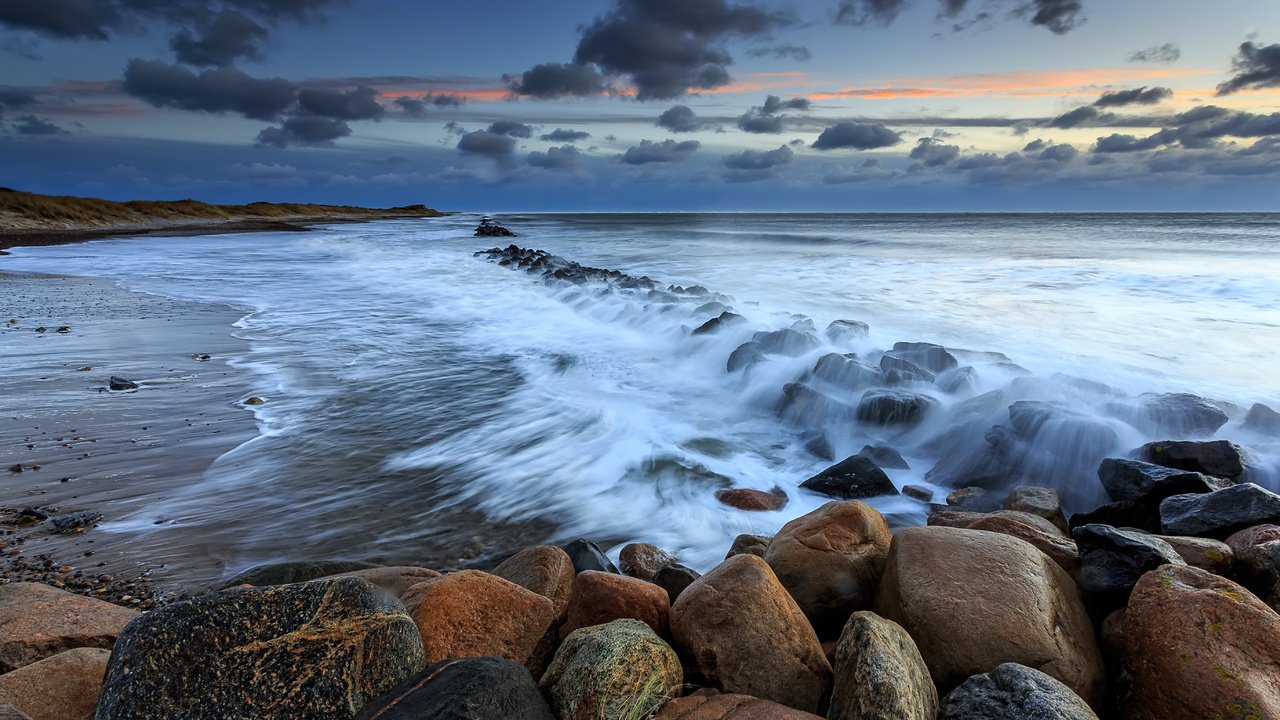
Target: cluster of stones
point(1010, 614)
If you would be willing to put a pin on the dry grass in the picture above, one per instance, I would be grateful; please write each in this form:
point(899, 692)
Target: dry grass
point(28, 211)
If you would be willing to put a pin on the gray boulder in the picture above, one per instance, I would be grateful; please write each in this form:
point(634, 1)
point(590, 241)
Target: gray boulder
point(1219, 513)
point(1147, 482)
point(1013, 692)
point(786, 342)
point(854, 478)
point(843, 331)
point(481, 688)
point(894, 407)
point(1170, 414)
point(1111, 561)
point(929, 356)
point(744, 356)
point(1219, 458)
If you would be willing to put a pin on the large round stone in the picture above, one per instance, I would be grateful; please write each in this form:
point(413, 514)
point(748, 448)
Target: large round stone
point(544, 569)
point(600, 597)
point(879, 674)
point(617, 670)
point(1014, 692)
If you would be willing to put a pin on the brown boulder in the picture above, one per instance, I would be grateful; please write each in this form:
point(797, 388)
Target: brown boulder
point(1197, 645)
point(953, 518)
point(748, 545)
point(475, 614)
point(756, 500)
point(1048, 540)
point(714, 706)
point(973, 600)
point(395, 580)
point(62, 687)
point(37, 621)
point(1257, 553)
point(642, 560)
point(830, 561)
point(544, 569)
point(1204, 553)
point(746, 635)
point(1242, 543)
point(600, 597)
point(880, 674)
point(1039, 501)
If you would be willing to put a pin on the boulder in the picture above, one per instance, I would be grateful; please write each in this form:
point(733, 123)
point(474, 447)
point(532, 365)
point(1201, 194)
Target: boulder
point(974, 600)
point(1263, 420)
point(1112, 561)
point(1034, 529)
point(746, 635)
point(38, 621)
point(898, 370)
point(918, 492)
point(785, 342)
point(322, 649)
point(1196, 645)
point(1137, 514)
point(475, 614)
point(586, 555)
point(618, 670)
point(286, 573)
point(929, 356)
point(723, 320)
point(844, 331)
point(854, 478)
point(811, 408)
point(62, 687)
point(894, 407)
point(543, 569)
point(1221, 512)
point(884, 456)
point(1039, 501)
point(846, 372)
point(879, 674)
point(1219, 458)
point(1212, 555)
point(1172, 414)
point(1135, 480)
point(972, 499)
point(710, 705)
point(752, 500)
point(1257, 553)
point(600, 597)
point(744, 356)
point(485, 688)
point(940, 517)
point(396, 579)
point(1014, 692)
point(120, 384)
point(830, 561)
point(959, 381)
point(674, 579)
point(642, 560)
point(748, 545)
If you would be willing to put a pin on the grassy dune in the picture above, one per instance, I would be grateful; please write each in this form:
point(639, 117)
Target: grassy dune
point(24, 213)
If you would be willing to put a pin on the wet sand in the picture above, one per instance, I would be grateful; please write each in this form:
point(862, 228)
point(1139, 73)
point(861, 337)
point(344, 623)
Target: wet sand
point(83, 448)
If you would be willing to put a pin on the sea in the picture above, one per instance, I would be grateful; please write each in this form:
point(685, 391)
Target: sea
point(419, 397)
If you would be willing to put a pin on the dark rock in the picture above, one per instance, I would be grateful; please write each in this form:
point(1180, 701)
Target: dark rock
point(959, 381)
point(1137, 480)
point(675, 578)
point(884, 456)
point(1037, 420)
point(1212, 457)
point(748, 545)
point(322, 649)
point(710, 308)
point(815, 441)
point(929, 356)
point(1219, 513)
point(752, 500)
point(1262, 419)
point(846, 372)
point(1111, 561)
point(843, 331)
point(853, 478)
point(119, 383)
point(488, 228)
point(1138, 514)
point(898, 370)
point(486, 688)
point(746, 355)
point(879, 674)
point(723, 320)
point(979, 356)
point(1171, 414)
point(894, 407)
point(1014, 692)
point(918, 492)
point(642, 560)
point(75, 521)
point(811, 408)
point(15, 468)
point(294, 572)
point(786, 342)
point(586, 555)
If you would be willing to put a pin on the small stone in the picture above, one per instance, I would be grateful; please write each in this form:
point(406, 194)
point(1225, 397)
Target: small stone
point(855, 478)
point(918, 492)
point(1219, 458)
point(1112, 561)
point(642, 560)
point(586, 555)
point(674, 579)
point(748, 545)
point(15, 468)
point(752, 500)
point(1262, 419)
point(254, 400)
point(120, 384)
point(885, 457)
point(1212, 555)
point(42, 329)
point(966, 498)
point(1040, 501)
point(64, 329)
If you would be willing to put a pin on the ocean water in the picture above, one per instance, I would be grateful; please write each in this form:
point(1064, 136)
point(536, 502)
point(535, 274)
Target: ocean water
point(423, 402)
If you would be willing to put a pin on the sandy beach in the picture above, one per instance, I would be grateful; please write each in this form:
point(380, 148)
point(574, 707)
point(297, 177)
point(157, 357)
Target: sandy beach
point(83, 448)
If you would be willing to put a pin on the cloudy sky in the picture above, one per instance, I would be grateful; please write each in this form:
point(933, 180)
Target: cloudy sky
point(858, 105)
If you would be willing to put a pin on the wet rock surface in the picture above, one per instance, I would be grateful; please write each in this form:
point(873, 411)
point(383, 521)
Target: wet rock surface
point(485, 688)
point(854, 478)
point(1014, 692)
point(1219, 458)
point(1219, 513)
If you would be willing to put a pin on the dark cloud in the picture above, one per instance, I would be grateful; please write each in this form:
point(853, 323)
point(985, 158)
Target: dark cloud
point(497, 142)
point(1058, 16)
point(680, 119)
point(358, 104)
point(412, 106)
point(1202, 127)
point(760, 160)
point(667, 151)
point(219, 40)
point(565, 157)
point(1080, 117)
point(32, 125)
point(14, 99)
point(858, 136)
point(306, 131)
point(1256, 66)
point(933, 153)
point(556, 80)
point(1166, 54)
point(794, 52)
point(216, 91)
point(1138, 96)
point(417, 106)
point(511, 128)
point(861, 12)
point(102, 19)
point(565, 136)
point(765, 119)
point(665, 48)
point(1058, 153)
point(1035, 146)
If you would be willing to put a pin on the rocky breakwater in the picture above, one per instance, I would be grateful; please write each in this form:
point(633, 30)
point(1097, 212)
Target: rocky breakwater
point(835, 616)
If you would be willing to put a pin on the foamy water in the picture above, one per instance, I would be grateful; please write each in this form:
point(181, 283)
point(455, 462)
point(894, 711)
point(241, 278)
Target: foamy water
point(409, 381)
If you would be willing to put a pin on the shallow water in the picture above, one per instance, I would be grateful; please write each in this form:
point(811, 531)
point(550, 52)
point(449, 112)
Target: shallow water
point(407, 380)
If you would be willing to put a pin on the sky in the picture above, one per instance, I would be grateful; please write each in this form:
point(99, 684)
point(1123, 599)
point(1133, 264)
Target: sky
point(649, 105)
